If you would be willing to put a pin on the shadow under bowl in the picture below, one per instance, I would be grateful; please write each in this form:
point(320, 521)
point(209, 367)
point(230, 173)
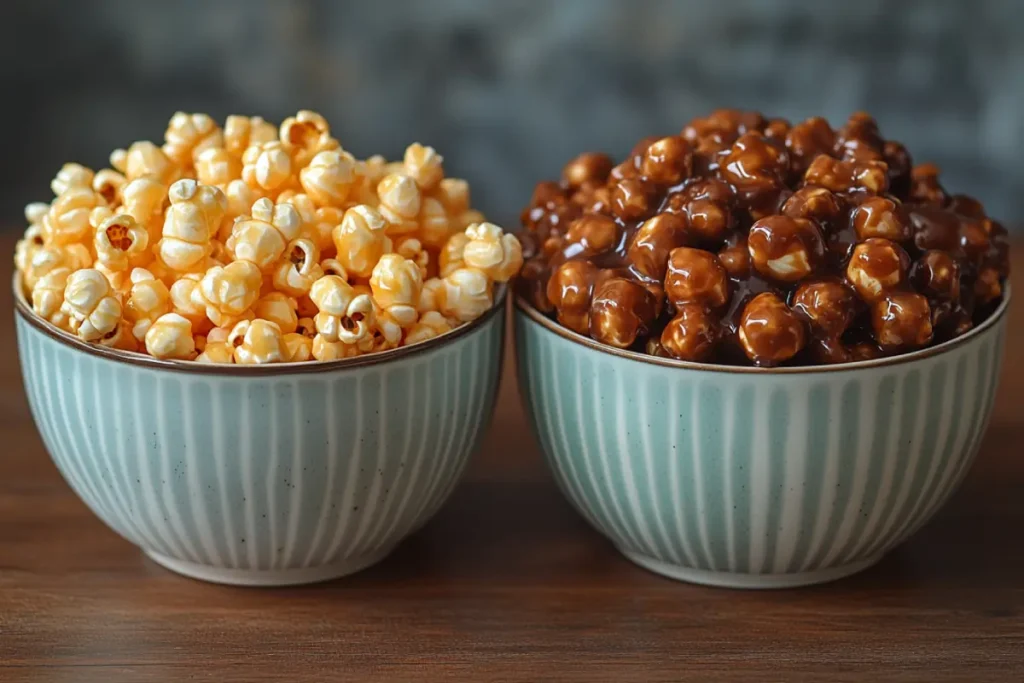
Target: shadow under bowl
point(262, 475)
point(756, 478)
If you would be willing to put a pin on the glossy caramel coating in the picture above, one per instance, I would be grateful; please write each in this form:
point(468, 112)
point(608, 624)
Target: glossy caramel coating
point(770, 332)
point(622, 311)
point(785, 249)
point(653, 242)
point(691, 335)
point(696, 276)
point(753, 240)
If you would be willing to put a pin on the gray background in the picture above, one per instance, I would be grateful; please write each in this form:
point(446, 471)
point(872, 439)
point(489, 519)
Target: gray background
point(508, 90)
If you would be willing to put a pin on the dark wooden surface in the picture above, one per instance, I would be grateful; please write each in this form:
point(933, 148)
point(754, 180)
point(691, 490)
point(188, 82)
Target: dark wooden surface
point(508, 584)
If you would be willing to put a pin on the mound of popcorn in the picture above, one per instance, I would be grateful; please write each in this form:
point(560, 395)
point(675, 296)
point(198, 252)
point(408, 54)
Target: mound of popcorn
point(256, 243)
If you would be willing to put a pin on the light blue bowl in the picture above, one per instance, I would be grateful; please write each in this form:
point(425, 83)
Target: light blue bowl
point(273, 475)
point(756, 478)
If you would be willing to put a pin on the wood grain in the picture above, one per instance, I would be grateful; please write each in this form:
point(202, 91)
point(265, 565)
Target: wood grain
point(508, 584)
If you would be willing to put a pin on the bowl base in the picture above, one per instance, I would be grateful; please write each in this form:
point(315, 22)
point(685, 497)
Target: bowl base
point(748, 581)
point(268, 577)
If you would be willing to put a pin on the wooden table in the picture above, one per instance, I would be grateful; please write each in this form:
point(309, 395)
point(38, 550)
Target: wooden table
point(508, 584)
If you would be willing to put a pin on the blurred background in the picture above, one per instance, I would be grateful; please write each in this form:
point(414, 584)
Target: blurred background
point(508, 90)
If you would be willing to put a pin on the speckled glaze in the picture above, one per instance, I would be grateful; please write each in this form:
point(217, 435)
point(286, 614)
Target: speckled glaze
point(289, 474)
point(749, 478)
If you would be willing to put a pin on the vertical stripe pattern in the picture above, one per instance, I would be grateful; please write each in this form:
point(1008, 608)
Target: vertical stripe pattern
point(756, 475)
point(264, 473)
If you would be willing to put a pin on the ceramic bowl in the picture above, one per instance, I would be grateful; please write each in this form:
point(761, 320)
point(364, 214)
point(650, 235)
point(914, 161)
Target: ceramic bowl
point(271, 475)
point(754, 478)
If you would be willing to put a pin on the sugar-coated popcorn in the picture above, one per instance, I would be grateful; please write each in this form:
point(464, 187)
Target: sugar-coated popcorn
point(361, 240)
point(228, 291)
point(48, 297)
point(253, 243)
point(188, 135)
point(170, 336)
point(145, 159)
point(267, 166)
point(240, 132)
point(396, 283)
point(148, 299)
point(257, 342)
point(191, 222)
point(489, 249)
point(92, 306)
point(261, 238)
point(67, 221)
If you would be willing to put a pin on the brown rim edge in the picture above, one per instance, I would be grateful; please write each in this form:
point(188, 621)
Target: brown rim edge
point(528, 309)
point(22, 308)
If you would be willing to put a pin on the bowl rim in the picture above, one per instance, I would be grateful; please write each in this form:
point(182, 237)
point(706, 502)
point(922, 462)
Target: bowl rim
point(24, 310)
point(530, 311)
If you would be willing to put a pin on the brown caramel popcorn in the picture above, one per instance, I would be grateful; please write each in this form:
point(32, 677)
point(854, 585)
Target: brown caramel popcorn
point(750, 240)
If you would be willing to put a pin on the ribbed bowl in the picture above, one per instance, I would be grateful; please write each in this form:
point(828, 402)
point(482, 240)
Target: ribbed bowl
point(262, 476)
point(752, 478)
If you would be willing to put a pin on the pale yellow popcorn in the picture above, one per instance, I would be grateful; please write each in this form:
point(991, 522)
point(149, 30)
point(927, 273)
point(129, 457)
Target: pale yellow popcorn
point(361, 239)
point(241, 132)
point(91, 304)
point(188, 135)
point(424, 165)
point(324, 350)
point(49, 258)
point(434, 225)
point(35, 211)
point(307, 134)
point(329, 177)
point(431, 324)
point(267, 167)
point(452, 256)
point(429, 295)
point(317, 222)
point(191, 222)
point(120, 243)
point(497, 254)
point(67, 221)
point(217, 352)
point(453, 193)
point(399, 203)
point(217, 166)
point(412, 249)
point(71, 175)
point(48, 297)
point(262, 237)
point(332, 266)
point(27, 246)
point(257, 342)
point(228, 291)
point(298, 348)
point(466, 219)
point(396, 283)
point(306, 326)
point(120, 338)
point(278, 308)
point(240, 198)
point(385, 332)
point(374, 169)
point(108, 183)
point(344, 314)
point(144, 199)
point(467, 294)
point(298, 270)
point(145, 159)
point(148, 299)
point(187, 300)
point(170, 336)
